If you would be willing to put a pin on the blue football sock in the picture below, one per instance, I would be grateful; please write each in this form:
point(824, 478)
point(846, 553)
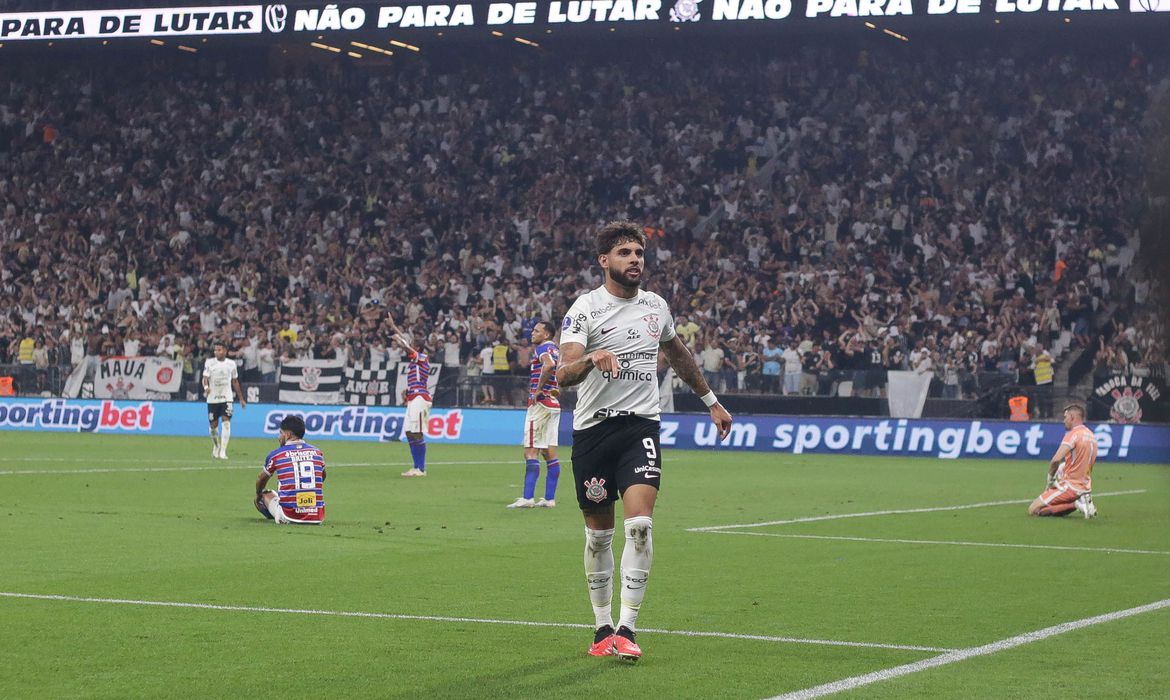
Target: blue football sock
point(418, 453)
point(550, 481)
point(531, 474)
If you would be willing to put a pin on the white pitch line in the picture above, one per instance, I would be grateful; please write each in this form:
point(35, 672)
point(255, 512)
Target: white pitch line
point(133, 470)
point(958, 543)
point(899, 511)
point(964, 654)
point(445, 618)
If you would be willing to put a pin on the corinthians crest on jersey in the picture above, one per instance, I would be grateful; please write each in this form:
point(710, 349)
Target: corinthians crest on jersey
point(652, 325)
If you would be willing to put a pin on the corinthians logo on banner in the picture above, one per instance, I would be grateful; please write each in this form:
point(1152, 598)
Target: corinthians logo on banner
point(1129, 397)
point(274, 18)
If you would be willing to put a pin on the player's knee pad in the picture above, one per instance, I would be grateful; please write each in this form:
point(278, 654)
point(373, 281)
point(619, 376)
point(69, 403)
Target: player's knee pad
point(639, 530)
point(597, 541)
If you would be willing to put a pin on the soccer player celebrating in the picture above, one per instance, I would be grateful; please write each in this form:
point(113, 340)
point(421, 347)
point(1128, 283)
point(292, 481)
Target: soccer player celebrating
point(220, 378)
point(418, 402)
point(300, 469)
point(1070, 471)
point(543, 420)
point(610, 342)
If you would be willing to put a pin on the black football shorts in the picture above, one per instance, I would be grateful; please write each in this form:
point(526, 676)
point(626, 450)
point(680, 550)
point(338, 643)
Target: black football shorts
point(613, 455)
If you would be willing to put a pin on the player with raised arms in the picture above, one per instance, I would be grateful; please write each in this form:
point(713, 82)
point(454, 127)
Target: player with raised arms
point(300, 471)
point(220, 378)
point(542, 422)
point(418, 402)
point(610, 342)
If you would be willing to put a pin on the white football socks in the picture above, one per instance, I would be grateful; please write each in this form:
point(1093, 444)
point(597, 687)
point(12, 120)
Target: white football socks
point(225, 434)
point(599, 574)
point(215, 440)
point(636, 556)
point(275, 510)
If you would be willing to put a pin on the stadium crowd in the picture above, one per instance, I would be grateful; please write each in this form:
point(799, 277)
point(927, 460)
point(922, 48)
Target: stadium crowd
point(813, 216)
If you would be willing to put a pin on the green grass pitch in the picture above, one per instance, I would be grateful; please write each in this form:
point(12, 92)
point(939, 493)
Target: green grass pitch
point(135, 519)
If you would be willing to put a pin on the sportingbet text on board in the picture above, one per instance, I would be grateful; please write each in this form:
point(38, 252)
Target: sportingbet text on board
point(794, 435)
point(914, 438)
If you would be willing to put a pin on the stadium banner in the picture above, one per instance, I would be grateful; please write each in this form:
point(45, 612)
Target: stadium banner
point(137, 378)
point(312, 20)
point(778, 434)
point(368, 384)
point(311, 381)
point(1128, 398)
point(112, 24)
point(400, 387)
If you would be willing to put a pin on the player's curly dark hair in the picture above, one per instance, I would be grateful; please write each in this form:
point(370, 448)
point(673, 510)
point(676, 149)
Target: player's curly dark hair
point(293, 424)
point(616, 232)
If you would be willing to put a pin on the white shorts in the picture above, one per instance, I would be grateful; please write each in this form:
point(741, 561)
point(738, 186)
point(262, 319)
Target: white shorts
point(418, 410)
point(541, 426)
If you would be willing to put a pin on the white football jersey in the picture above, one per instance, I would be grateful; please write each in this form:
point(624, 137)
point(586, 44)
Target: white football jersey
point(220, 374)
point(630, 329)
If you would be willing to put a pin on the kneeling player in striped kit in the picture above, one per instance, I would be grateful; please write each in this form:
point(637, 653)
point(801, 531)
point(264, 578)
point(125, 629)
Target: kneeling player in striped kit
point(300, 471)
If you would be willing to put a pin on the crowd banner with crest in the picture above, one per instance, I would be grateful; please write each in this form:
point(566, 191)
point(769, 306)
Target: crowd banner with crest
point(312, 381)
point(1128, 398)
point(137, 378)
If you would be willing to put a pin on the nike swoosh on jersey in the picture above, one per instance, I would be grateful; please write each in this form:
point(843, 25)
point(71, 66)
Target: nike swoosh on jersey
point(608, 330)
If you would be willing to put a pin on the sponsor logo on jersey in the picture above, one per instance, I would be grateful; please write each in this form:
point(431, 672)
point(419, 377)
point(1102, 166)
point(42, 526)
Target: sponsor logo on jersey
point(630, 375)
point(602, 311)
point(627, 356)
point(627, 373)
point(648, 471)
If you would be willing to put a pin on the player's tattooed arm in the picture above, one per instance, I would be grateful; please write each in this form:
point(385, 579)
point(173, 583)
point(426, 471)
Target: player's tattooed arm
point(575, 364)
point(680, 358)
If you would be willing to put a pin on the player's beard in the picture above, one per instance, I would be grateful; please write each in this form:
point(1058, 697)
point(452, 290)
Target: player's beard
point(625, 281)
